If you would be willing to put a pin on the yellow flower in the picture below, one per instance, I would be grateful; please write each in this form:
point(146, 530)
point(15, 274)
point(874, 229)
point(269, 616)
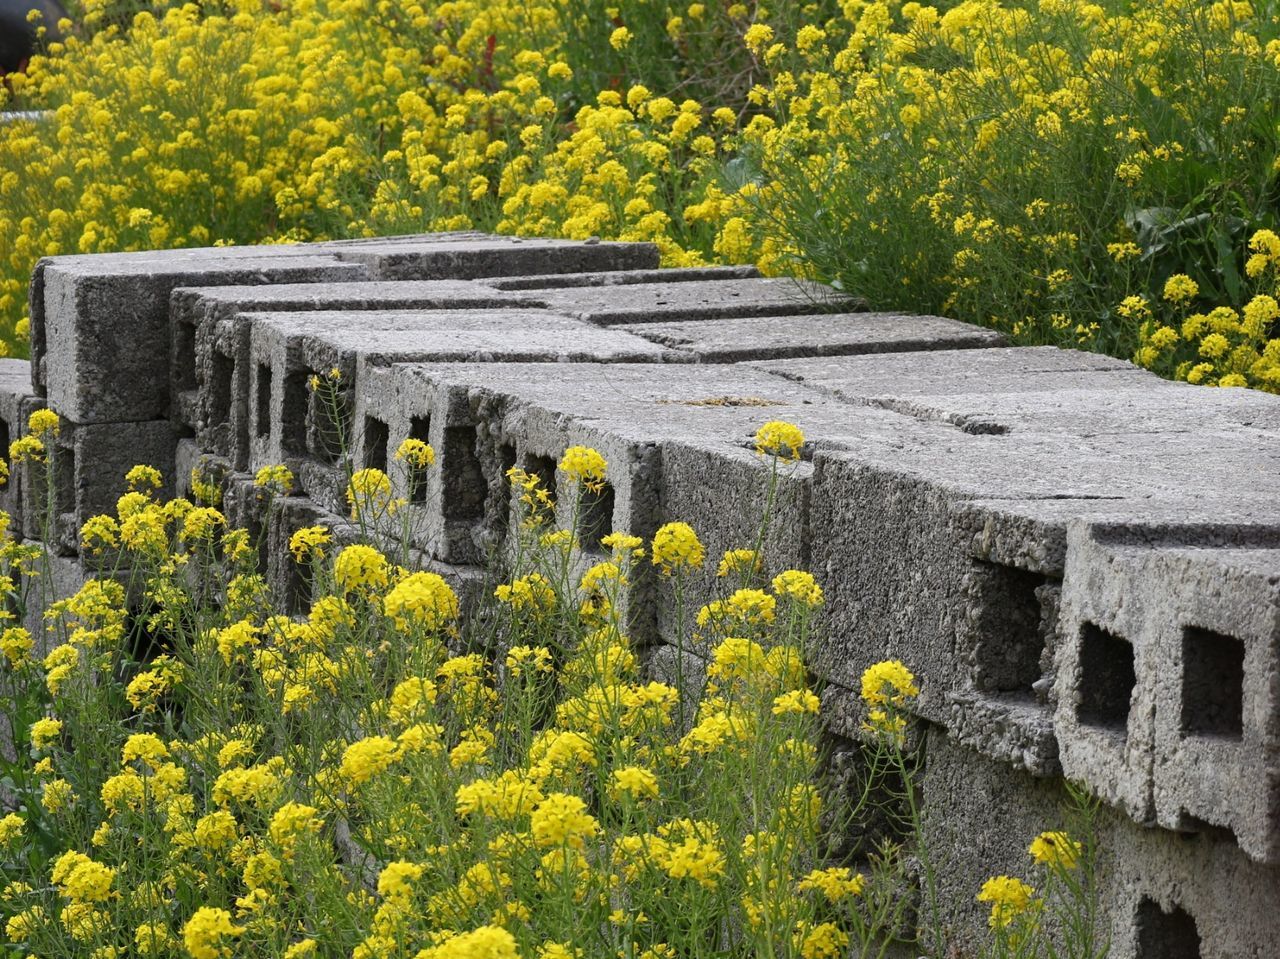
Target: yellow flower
point(835, 883)
point(207, 932)
point(1009, 899)
point(636, 782)
point(422, 599)
point(360, 567)
point(619, 38)
point(783, 440)
point(739, 562)
point(368, 491)
point(44, 732)
point(532, 593)
point(27, 448)
point(416, 453)
point(798, 585)
point(757, 37)
point(1055, 849)
point(487, 942)
point(584, 465)
point(277, 479)
point(308, 543)
point(11, 826)
point(143, 476)
point(1180, 288)
point(797, 701)
point(562, 820)
point(676, 547)
point(888, 683)
point(367, 758)
point(43, 422)
point(824, 941)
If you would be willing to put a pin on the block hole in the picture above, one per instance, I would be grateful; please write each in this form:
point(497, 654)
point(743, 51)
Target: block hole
point(376, 438)
point(64, 481)
point(1189, 825)
point(5, 439)
point(543, 467)
point(330, 423)
point(1011, 627)
point(464, 486)
point(262, 400)
point(419, 429)
point(220, 389)
point(293, 415)
point(595, 517)
point(1212, 684)
point(507, 462)
point(1107, 679)
point(184, 355)
point(1165, 935)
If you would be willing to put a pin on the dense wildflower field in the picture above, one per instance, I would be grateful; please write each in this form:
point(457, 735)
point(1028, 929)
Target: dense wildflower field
point(195, 775)
point(1100, 175)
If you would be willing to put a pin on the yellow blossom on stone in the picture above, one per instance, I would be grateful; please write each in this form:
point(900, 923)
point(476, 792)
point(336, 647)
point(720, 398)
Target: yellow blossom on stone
point(676, 547)
point(43, 422)
point(584, 465)
point(780, 439)
point(277, 479)
point(360, 567)
point(1009, 898)
point(1055, 849)
point(416, 453)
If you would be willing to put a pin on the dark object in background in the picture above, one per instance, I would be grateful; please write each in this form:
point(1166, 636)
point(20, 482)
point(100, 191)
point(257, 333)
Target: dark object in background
point(18, 34)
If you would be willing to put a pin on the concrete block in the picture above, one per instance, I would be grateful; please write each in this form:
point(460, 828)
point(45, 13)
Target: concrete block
point(88, 465)
point(469, 258)
point(1191, 631)
point(209, 368)
point(288, 348)
point(101, 349)
point(704, 300)
point(17, 403)
point(1161, 895)
point(770, 337)
point(622, 278)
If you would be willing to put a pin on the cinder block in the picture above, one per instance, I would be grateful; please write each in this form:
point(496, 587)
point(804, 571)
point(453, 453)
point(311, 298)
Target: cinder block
point(17, 403)
point(101, 350)
point(288, 349)
point(88, 466)
point(1161, 895)
point(209, 368)
point(775, 337)
point(698, 300)
point(1193, 631)
point(466, 258)
point(622, 277)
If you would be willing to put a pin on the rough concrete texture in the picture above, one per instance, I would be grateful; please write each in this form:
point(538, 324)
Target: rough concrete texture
point(755, 338)
point(102, 351)
point(469, 258)
point(209, 370)
point(17, 403)
point(621, 278)
point(1171, 670)
point(1161, 894)
point(1079, 561)
point(705, 300)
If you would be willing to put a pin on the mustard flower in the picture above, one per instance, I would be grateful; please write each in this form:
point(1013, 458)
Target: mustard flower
point(308, 543)
point(739, 562)
point(44, 422)
point(44, 732)
point(635, 782)
point(1055, 849)
point(620, 38)
point(676, 547)
point(99, 533)
point(835, 883)
point(798, 585)
point(888, 683)
point(416, 453)
point(532, 593)
point(1009, 899)
point(27, 448)
point(11, 827)
point(621, 543)
point(422, 599)
point(208, 932)
point(584, 465)
point(366, 758)
point(1180, 288)
point(140, 477)
point(360, 567)
point(780, 439)
point(16, 644)
point(562, 820)
point(798, 701)
point(277, 479)
point(369, 490)
point(757, 37)
point(823, 941)
point(154, 939)
point(489, 942)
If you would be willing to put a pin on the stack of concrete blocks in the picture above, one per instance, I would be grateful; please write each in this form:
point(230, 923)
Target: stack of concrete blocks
point(1081, 562)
